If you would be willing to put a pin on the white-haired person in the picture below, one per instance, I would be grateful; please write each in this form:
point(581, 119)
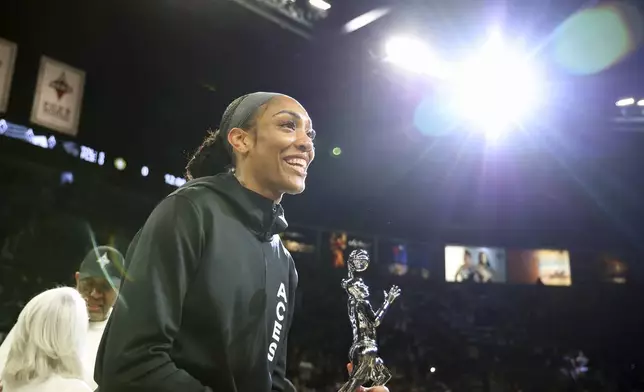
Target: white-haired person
point(48, 343)
point(97, 281)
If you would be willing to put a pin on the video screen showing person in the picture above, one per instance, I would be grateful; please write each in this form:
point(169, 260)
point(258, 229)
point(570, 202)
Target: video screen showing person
point(399, 265)
point(539, 266)
point(337, 247)
point(392, 256)
point(474, 264)
point(342, 244)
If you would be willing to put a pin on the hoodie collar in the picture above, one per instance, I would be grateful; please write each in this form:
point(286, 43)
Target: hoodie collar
point(260, 215)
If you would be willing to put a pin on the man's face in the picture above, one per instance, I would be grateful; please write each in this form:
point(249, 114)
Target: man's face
point(99, 296)
point(468, 260)
point(281, 148)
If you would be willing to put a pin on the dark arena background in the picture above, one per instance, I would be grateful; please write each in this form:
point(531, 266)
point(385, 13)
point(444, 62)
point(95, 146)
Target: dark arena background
point(510, 131)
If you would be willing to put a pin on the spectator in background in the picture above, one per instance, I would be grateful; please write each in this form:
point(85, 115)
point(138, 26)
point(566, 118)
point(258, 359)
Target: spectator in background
point(45, 354)
point(97, 282)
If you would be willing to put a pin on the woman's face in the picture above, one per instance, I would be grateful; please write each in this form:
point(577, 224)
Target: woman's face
point(277, 155)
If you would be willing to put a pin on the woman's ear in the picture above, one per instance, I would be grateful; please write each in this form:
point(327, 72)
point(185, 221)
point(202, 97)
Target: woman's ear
point(239, 140)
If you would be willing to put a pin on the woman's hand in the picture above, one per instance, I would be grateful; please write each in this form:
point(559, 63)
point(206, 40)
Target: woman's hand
point(363, 389)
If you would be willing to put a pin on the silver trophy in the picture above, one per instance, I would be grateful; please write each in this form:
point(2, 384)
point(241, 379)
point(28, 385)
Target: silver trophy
point(367, 367)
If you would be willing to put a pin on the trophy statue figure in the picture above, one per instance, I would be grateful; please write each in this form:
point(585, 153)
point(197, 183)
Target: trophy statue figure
point(367, 368)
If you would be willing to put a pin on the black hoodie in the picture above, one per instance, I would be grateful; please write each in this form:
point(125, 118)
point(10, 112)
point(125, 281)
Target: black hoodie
point(207, 302)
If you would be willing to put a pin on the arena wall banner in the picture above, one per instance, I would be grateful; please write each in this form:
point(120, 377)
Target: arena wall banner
point(475, 264)
point(8, 52)
point(59, 96)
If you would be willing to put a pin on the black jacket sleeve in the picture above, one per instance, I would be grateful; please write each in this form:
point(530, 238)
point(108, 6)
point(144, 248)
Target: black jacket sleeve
point(280, 382)
point(134, 352)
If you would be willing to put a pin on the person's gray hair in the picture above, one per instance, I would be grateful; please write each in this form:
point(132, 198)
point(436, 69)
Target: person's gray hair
point(49, 339)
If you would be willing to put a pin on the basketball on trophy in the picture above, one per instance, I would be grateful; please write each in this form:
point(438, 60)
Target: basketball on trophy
point(358, 260)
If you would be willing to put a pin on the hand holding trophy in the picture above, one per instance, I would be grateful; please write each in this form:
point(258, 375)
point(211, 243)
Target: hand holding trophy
point(365, 365)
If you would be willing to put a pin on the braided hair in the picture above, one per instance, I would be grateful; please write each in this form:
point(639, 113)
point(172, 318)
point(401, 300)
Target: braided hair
point(213, 156)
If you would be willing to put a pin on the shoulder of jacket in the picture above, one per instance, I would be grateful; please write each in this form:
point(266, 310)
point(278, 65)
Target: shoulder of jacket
point(193, 191)
point(201, 197)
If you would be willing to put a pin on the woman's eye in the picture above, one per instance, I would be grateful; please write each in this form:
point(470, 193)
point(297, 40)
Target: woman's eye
point(289, 125)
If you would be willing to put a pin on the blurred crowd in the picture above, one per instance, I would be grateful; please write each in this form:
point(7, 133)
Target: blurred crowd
point(468, 337)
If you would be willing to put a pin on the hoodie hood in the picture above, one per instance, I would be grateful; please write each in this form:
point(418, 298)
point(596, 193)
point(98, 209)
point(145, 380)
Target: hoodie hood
point(262, 216)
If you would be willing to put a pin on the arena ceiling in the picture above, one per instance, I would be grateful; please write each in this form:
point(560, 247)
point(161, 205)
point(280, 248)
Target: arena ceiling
point(161, 72)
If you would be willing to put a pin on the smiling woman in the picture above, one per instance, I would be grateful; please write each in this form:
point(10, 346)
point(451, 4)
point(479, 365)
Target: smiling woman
point(210, 285)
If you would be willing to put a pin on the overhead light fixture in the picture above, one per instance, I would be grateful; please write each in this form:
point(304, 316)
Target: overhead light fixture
point(295, 16)
point(320, 4)
point(365, 19)
point(625, 102)
point(120, 164)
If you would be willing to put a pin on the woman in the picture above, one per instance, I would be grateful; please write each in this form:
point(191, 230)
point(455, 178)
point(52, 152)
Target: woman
point(484, 268)
point(48, 341)
point(211, 287)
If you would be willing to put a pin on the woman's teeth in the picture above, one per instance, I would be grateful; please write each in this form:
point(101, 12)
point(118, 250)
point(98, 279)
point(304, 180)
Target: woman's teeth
point(299, 162)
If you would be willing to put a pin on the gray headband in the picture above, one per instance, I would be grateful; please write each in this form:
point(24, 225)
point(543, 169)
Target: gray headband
point(236, 116)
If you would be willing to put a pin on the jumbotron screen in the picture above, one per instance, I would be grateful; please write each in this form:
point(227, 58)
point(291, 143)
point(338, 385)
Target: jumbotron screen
point(539, 266)
point(473, 264)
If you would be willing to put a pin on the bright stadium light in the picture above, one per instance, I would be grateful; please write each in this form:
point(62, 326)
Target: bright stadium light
point(640, 102)
point(365, 19)
point(320, 4)
point(413, 55)
point(625, 102)
point(495, 89)
point(120, 164)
